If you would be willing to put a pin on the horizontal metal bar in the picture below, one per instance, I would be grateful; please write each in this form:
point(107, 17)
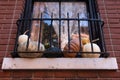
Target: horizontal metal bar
point(59, 52)
point(62, 19)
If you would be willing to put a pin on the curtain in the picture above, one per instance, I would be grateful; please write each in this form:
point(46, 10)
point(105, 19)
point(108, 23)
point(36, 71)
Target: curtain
point(68, 9)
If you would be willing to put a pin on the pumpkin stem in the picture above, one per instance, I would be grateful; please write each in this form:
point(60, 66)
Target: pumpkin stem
point(95, 40)
point(25, 31)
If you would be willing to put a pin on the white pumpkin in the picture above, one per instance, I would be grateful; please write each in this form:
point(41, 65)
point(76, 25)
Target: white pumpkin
point(22, 38)
point(33, 46)
point(88, 48)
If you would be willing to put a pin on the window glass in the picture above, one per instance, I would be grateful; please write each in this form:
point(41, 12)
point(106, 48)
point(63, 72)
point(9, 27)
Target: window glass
point(58, 10)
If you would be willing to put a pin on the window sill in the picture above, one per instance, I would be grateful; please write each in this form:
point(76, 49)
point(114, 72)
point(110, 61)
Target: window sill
point(59, 63)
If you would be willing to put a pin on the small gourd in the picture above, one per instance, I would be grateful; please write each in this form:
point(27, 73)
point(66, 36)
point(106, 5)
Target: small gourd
point(32, 47)
point(85, 38)
point(74, 47)
point(88, 48)
point(23, 38)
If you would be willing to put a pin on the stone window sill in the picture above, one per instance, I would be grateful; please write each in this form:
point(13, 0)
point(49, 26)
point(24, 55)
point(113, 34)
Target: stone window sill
point(59, 63)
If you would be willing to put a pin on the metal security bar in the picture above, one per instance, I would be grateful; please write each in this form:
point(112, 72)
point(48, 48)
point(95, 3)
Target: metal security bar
point(75, 47)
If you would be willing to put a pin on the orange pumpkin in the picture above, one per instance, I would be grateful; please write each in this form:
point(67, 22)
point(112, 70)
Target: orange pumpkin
point(74, 48)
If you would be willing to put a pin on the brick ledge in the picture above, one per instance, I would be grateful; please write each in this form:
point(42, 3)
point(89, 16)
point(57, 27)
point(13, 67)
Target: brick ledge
point(59, 63)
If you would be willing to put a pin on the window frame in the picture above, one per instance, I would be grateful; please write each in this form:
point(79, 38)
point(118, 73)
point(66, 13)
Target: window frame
point(91, 9)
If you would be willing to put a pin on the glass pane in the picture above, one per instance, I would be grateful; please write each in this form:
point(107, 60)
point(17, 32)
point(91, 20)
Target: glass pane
point(49, 30)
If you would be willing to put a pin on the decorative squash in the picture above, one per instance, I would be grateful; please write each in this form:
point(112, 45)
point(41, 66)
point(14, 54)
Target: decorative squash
point(85, 40)
point(53, 52)
point(33, 46)
point(84, 37)
point(74, 47)
point(88, 48)
point(23, 38)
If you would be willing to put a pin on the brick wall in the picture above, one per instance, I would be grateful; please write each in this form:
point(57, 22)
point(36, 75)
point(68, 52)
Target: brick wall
point(10, 11)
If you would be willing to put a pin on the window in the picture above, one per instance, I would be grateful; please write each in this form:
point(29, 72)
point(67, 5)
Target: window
point(60, 29)
point(63, 28)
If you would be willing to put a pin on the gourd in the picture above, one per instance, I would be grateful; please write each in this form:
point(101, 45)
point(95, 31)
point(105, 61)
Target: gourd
point(32, 47)
point(88, 48)
point(23, 38)
point(85, 39)
point(74, 47)
point(53, 52)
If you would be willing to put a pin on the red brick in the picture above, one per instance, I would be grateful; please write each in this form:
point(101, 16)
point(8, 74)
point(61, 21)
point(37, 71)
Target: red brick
point(109, 47)
point(113, 16)
point(118, 60)
point(10, 47)
point(112, 11)
point(2, 16)
point(113, 7)
point(3, 47)
point(22, 74)
point(114, 25)
point(87, 74)
point(2, 7)
point(5, 78)
point(6, 21)
point(107, 36)
point(2, 53)
point(103, 79)
point(119, 66)
point(65, 74)
point(117, 53)
point(9, 25)
point(115, 36)
point(115, 30)
point(4, 36)
point(116, 42)
point(12, 41)
point(7, 31)
point(44, 74)
point(76, 78)
point(11, 7)
point(114, 21)
point(51, 79)
point(5, 74)
point(109, 74)
point(110, 2)
point(6, 11)
point(10, 16)
point(3, 41)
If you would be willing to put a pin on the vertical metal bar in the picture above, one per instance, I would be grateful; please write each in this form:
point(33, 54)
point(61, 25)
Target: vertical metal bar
point(40, 32)
point(79, 30)
point(90, 23)
point(68, 31)
point(29, 22)
point(26, 14)
point(95, 24)
point(59, 24)
point(51, 30)
point(19, 25)
point(101, 35)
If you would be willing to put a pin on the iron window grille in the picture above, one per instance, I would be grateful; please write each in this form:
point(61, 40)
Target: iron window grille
point(53, 47)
